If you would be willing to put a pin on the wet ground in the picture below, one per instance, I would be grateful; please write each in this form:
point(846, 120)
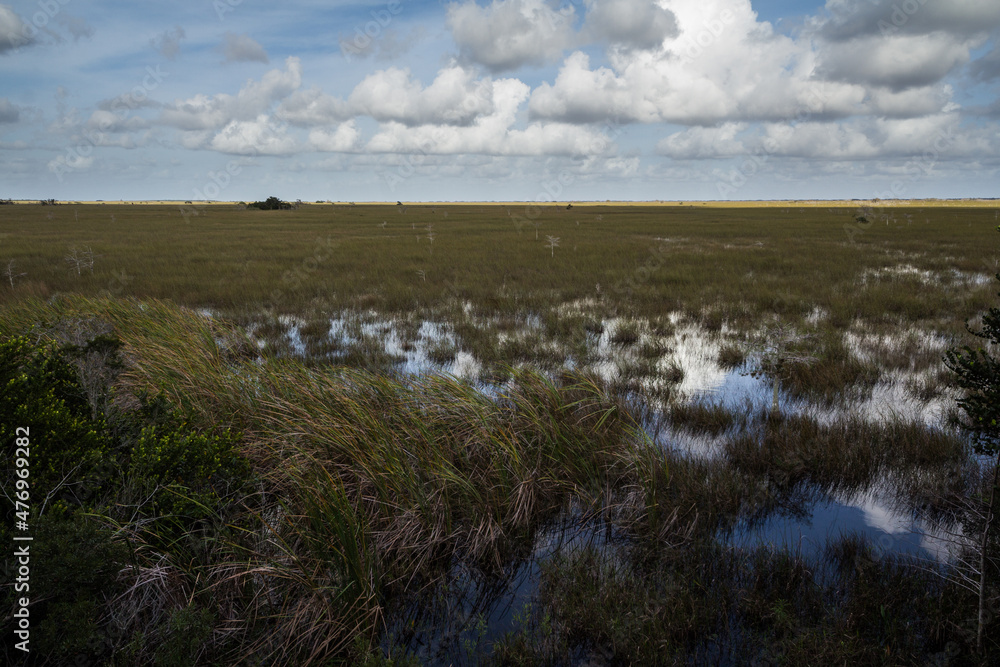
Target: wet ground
point(470, 611)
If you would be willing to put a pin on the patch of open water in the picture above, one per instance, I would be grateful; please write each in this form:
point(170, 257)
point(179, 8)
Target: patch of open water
point(824, 518)
point(688, 348)
point(459, 620)
point(472, 611)
point(696, 353)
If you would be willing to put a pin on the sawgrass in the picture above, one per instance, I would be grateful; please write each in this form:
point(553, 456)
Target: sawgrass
point(734, 263)
point(372, 485)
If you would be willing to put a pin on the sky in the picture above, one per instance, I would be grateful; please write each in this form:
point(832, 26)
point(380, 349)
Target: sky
point(505, 100)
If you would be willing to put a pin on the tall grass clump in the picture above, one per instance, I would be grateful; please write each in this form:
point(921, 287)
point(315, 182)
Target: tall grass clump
point(850, 452)
point(708, 604)
point(834, 375)
point(704, 417)
point(626, 333)
point(438, 467)
point(368, 486)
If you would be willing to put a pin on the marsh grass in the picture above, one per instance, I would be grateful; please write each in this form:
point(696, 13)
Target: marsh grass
point(850, 452)
point(371, 486)
point(653, 350)
point(442, 352)
point(732, 264)
point(626, 333)
point(381, 479)
point(317, 329)
point(729, 270)
point(930, 386)
point(731, 356)
point(705, 417)
point(837, 374)
point(754, 604)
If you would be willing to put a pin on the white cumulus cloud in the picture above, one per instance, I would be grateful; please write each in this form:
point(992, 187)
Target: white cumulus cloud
point(641, 24)
point(203, 112)
point(343, 139)
point(508, 34)
point(261, 136)
point(454, 97)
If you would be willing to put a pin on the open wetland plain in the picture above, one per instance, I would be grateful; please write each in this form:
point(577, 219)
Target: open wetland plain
point(503, 434)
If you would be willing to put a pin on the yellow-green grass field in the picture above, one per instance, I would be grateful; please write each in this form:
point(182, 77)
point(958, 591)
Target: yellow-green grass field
point(739, 263)
point(345, 434)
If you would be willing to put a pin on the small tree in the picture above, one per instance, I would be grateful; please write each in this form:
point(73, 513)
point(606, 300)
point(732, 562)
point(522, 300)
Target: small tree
point(81, 259)
point(978, 373)
point(9, 272)
point(552, 244)
point(271, 204)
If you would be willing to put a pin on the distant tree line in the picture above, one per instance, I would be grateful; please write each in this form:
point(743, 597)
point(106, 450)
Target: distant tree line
point(271, 204)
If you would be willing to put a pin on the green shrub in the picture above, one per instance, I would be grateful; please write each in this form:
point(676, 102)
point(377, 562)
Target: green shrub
point(271, 204)
point(187, 630)
point(187, 472)
point(39, 392)
point(74, 567)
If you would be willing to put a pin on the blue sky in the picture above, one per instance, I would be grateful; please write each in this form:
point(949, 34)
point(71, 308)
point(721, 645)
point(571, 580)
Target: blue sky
point(499, 100)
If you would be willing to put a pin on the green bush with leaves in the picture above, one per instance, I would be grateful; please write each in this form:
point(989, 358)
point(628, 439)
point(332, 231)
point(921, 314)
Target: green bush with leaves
point(40, 392)
point(271, 204)
point(74, 560)
point(85, 467)
point(77, 567)
point(187, 472)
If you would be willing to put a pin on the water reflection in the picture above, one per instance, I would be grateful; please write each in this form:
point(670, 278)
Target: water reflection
point(433, 347)
point(889, 525)
point(459, 619)
point(471, 609)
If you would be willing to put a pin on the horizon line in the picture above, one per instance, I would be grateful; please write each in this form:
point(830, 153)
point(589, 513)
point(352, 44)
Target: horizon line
point(566, 202)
